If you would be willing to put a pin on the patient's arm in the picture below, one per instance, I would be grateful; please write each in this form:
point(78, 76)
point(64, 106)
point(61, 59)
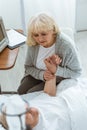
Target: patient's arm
point(50, 87)
point(51, 64)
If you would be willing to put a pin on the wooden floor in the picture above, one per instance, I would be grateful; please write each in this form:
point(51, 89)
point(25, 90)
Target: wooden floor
point(10, 79)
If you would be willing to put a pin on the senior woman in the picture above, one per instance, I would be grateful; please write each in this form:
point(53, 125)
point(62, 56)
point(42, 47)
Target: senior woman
point(45, 40)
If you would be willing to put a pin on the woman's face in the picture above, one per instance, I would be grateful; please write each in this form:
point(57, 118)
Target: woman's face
point(45, 39)
point(32, 117)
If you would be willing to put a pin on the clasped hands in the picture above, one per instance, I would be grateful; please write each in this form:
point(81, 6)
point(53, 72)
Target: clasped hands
point(51, 63)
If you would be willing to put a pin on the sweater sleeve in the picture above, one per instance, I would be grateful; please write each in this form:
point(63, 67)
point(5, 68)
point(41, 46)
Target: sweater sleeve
point(30, 68)
point(70, 67)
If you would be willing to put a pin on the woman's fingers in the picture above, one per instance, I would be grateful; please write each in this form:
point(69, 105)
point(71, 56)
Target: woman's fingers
point(48, 75)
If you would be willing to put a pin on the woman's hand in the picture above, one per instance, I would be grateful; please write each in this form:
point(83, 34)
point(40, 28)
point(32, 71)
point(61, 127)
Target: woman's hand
point(48, 75)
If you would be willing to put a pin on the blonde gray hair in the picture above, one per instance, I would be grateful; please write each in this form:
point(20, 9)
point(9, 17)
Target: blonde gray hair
point(38, 23)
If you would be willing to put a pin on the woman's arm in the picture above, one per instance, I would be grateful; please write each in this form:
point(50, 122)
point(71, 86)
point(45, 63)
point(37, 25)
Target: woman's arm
point(30, 68)
point(70, 66)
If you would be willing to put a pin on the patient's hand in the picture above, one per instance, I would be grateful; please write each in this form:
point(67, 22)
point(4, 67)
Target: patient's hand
point(52, 62)
point(32, 117)
point(50, 66)
point(56, 59)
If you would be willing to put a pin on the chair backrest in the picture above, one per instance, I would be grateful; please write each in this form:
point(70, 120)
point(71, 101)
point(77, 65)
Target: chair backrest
point(68, 31)
point(68, 34)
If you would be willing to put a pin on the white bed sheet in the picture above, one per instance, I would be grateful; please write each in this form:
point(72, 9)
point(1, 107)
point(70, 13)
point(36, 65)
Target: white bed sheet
point(66, 111)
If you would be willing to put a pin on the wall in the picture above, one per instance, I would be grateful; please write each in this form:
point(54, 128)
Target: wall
point(10, 11)
point(67, 13)
point(81, 15)
point(62, 10)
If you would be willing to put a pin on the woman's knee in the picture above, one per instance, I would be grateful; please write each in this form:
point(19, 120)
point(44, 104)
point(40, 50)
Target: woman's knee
point(23, 87)
point(27, 83)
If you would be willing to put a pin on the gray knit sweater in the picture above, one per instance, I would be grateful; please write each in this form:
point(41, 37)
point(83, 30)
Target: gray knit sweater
point(65, 48)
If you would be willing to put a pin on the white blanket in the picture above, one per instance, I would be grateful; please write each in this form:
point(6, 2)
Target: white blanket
point(66, 111)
